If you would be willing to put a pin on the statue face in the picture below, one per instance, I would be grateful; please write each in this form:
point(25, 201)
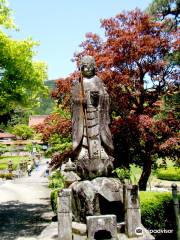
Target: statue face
point(88, 70)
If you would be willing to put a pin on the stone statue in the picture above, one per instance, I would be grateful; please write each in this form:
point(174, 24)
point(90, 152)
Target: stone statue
point(104, 206)
point(92, 141)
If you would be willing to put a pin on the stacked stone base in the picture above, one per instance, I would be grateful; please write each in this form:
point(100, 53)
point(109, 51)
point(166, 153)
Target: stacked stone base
point(79, 232)
point(86, 211)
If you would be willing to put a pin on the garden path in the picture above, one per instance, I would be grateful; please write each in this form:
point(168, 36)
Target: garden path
point(25, 210)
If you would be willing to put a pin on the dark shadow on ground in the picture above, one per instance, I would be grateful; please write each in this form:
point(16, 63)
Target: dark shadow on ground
point(19, 219)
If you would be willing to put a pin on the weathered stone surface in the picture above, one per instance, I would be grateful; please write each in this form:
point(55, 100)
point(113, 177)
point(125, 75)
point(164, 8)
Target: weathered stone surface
point(105, 225)
point(64, 201)
point(86, 197)
point(70, 177)
point(83, 200)
point(64, 215)
point(79, 237)
point(132, 210)
point(110, 188)
point(95, 167)
point(79, 229)
point(92, 140)
point(86, 206)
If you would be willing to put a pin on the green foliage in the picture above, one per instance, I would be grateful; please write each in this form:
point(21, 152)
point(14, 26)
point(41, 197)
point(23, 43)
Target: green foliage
point(21, 78)
point(58, 143)
point(6, 175)
point(3, 148)
point(19, 116)
point(56, 180)
point(122, 173)
point(46, 106)
point(170, 173)
point(15, 159)
point(172, 104)
point(164, 7)
point(23, 131)
point(56, 183)
point(157, 212)
point(169, 12)
point(58, 139)
point(58, 148)
point(132, 174)
point(62, 112)
point(53, 199)
point(135, 173)
point(5, 15)
point(46, 103)
point(29, 147)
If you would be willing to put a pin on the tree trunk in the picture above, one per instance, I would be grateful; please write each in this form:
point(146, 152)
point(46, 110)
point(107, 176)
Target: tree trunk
point(145, 173)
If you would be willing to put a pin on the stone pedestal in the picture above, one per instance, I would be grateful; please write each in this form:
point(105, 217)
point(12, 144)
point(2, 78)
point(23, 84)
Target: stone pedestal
point(103, 225)
point(103, 208)
point(101, 196)
point(132, 211)
point(64, 215)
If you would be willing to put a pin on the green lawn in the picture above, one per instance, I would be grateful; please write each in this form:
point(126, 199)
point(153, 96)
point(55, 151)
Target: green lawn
point(158, 176)
point(15, 159)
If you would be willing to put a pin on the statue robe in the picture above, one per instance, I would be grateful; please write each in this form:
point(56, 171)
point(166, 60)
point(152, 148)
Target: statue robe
point(97, 116)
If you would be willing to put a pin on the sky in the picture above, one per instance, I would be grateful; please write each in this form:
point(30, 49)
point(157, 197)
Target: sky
point(60, 26)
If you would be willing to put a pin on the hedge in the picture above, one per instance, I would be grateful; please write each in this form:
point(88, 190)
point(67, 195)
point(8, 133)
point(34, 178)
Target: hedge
point(56, 183)
point(157, 213)
point(171, 174)
point(53, 198)
point(7, 175)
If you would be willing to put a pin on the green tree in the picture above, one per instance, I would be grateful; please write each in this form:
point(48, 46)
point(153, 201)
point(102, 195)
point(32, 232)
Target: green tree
point(21, 78)
point(166, 8)
point(5, 15)
point(47, 104)
point(23, 131)
point(167, 11)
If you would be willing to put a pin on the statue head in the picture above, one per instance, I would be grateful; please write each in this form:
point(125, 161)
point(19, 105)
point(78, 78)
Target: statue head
point(87, 66)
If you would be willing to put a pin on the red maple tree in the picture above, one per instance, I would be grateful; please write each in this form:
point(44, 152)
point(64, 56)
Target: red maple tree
point(133, 61)
point(54, 123)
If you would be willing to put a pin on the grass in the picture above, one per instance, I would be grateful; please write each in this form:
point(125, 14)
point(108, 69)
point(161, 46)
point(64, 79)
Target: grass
point(15, 160)
point(170, 173)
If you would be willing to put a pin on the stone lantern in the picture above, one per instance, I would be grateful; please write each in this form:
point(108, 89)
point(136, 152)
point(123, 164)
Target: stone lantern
point(10, 167)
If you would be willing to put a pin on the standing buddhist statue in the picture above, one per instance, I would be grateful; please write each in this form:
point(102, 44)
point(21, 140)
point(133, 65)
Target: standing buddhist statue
point(92, 141)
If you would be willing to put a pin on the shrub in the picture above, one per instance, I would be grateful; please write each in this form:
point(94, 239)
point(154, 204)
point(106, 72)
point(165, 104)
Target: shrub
point(23, 131)
point(171, 174)
point(7, 175)
point(128, 175)
point(3, 148)
point(122, 173)
point(56, 183)
point(53, 198)
point(30, 146)
point(56, 180)
point(57, 148)
point(157, 212)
